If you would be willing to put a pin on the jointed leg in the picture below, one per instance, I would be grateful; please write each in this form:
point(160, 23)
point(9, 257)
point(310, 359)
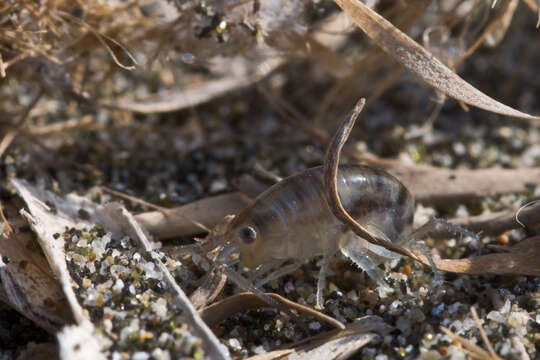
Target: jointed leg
point(364, 262)
point(377, 250)
point(287, 269)
point(412, 241)
point(264, 269)
point(321, 281)
point(431, 225)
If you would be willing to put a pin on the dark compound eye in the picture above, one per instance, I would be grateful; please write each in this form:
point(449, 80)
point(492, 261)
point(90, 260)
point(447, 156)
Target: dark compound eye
point(247, 234)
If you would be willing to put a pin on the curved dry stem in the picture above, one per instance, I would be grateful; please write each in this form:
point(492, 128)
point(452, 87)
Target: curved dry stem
point(219, 311)
point(330, 169)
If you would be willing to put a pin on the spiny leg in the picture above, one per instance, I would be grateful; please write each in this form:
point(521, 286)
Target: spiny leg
point(377, 250)
point(287, 269)
point(264, 269)
point(432, 224)
point(411, 241)
point(361, 260)
point(420, 245)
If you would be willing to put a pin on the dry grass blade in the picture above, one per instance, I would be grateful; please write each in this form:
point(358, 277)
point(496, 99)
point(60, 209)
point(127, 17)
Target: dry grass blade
point(483, 333)
point(330, 169)
point(83, 123)
point(215, 313)
point(334, 349)
point(165, 211)
point(495, 31)
point(418, 60)
point(102, 37)
point(2, 67)
point(534, 7)
point(473, 350)
point(45, 223)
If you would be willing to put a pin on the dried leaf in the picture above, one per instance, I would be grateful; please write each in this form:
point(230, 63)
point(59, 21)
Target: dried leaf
point(331, 194)
point(46, 221)
point(418, 60)
point(115, 219)
point(209, 211)
point(27, 283)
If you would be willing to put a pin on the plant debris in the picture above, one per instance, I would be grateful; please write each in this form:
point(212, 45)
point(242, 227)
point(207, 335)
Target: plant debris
point(174, 107)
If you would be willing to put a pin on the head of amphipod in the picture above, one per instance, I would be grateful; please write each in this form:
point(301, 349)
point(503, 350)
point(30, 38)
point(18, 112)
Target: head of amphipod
point(246, 238)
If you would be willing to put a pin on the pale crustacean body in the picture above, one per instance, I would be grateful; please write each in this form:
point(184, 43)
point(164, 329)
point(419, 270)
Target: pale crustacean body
point(292, 220)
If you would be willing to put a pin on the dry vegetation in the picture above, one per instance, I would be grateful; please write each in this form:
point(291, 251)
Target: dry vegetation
point(180, 112)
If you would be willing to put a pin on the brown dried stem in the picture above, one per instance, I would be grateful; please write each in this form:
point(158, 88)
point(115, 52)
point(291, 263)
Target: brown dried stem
point(223, 309)
point(330, 169)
